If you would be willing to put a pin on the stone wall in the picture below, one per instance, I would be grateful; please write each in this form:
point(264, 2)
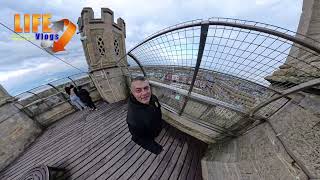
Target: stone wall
point(4, 95)
point(255, 155)
point(298, 127)
point(302, 64)
point(17, 131)
point(55, 105)
point(59, 110)
point(20, 126)
point(285, 147)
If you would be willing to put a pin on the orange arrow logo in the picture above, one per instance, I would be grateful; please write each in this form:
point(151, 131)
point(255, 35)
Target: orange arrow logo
point(66, 36)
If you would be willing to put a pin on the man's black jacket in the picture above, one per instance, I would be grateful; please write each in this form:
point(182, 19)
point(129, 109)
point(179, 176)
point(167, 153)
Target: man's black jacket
point(84, 95)
point(144, 121)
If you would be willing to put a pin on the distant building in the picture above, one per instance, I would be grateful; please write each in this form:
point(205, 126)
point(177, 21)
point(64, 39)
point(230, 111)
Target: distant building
point(175, 78)
point(168, 77)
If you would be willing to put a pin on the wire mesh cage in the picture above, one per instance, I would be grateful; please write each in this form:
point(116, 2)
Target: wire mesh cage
point(170, 98)
point(42, 91)
point(60, 84)
point(83, 80)
point(25, 98)
point(42, 98)
point(237, 62)
point(39, 99)
point(170, 57)
point(134, 69)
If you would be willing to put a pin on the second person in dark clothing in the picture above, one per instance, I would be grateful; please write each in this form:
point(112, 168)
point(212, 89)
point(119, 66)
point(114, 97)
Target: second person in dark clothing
point(85, 98)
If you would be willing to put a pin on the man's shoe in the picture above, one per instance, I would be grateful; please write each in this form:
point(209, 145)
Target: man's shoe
point(149, 145)
point(153, 147)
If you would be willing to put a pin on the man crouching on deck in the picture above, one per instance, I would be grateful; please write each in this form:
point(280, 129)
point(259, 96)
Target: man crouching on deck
point(144, 116)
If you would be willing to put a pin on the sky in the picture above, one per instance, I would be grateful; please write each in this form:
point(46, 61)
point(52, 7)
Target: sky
point(24, 66)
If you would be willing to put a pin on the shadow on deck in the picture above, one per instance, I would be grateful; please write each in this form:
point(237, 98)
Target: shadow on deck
point(97, 145)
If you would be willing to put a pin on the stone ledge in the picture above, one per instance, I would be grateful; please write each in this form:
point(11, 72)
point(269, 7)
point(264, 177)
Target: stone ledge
point(187, 126)
point(298, 128)
point(255, 155)
point(17, 133)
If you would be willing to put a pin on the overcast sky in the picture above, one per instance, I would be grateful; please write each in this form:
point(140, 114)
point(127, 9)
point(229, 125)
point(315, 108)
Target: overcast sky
point(24, 66)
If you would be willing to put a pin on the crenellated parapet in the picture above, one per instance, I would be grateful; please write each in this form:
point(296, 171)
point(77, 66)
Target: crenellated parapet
point(104, 46)
point(103, 39)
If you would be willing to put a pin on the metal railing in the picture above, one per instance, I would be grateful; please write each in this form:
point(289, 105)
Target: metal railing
point(223, 73)
point(45, 97)
point(250, 68)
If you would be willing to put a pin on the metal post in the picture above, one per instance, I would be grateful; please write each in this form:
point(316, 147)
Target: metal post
point(40, 99)
point(138, 62)
point(202, 43)
point(63, 95)
point(72, 81)
point(294, 89)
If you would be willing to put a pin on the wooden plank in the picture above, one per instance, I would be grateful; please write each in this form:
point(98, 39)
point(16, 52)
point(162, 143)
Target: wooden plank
point(167, 165)
point(46, 138)
point(86, 152)
point(186, 163)
point(38, 160)
point(88, 168)
point(145, 156)
point(34, 149)
point(104, 150)
point(139, 154)
point(34, 160)
point(56, 149)
point(143, 167)
point(194, 162)
point(56, 155)
point(173, 172)
point(165, 153)
point(116, 162)
point(77, 164)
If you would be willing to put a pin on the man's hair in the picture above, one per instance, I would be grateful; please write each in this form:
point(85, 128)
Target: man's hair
point(67, 89)
point(138, 78)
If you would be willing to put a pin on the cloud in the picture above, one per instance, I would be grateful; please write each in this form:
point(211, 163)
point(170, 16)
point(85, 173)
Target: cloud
point(266, 2)
point(37, 72)
point(21, 63)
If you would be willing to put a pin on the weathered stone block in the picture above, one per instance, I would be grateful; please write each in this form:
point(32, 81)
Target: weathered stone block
point(111, 84)
point(186, 125)
point(255, 155)
point(7, 110)
point(16, 132)
point(297, 128)
point(311, 103)
point(54, 114)
point(195, 109)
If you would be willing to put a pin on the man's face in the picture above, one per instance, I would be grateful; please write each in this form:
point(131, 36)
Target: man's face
point(141, 91)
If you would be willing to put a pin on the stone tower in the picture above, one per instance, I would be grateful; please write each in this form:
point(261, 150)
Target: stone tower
point(3, 92)
point(103, 42)
point(309, 25)
point(4, 95)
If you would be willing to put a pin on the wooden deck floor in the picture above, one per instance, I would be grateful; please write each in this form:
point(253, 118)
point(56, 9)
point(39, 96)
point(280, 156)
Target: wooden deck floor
point(97, 145)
